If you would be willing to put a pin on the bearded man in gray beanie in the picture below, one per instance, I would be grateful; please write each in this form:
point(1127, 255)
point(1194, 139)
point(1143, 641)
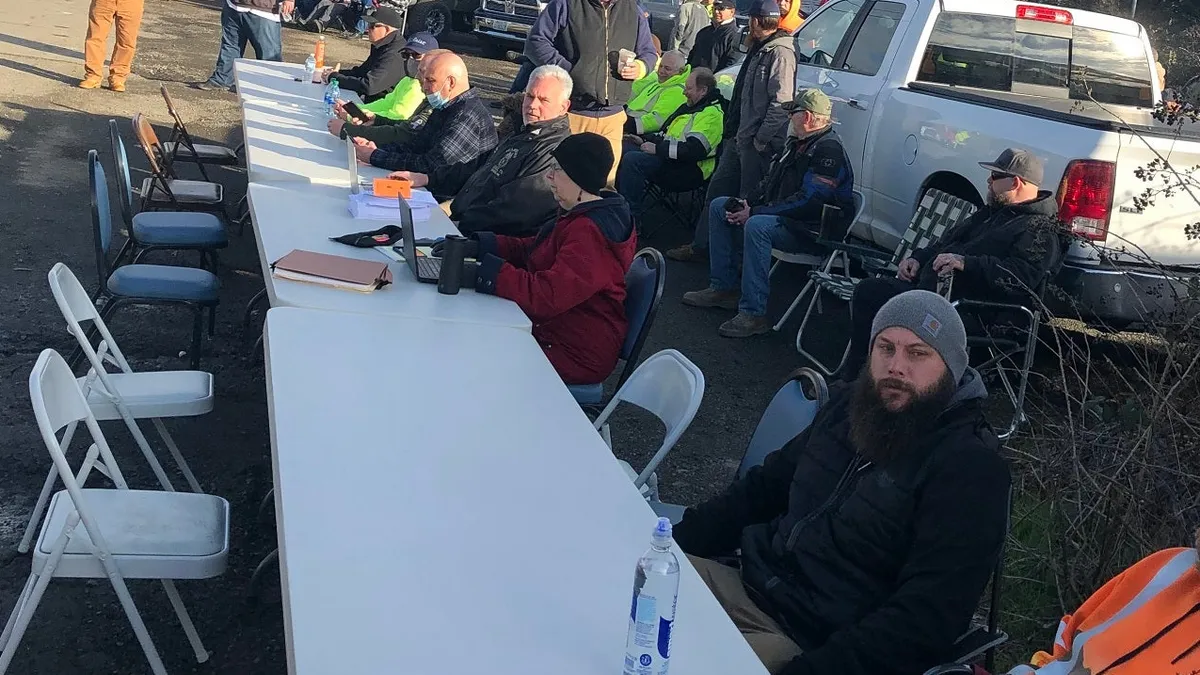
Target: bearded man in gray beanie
point(867, 541)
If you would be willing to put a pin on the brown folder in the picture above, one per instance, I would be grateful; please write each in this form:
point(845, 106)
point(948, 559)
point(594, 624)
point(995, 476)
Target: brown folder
point(333, 270)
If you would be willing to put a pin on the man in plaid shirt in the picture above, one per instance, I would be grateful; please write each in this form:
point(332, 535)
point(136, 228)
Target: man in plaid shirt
point(459, 131)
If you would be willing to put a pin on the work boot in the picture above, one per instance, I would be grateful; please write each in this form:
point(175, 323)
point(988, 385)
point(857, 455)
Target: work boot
point(745, 325)
point(116, 85)
point(711, 297)
point(89, 82)
point(687, 253)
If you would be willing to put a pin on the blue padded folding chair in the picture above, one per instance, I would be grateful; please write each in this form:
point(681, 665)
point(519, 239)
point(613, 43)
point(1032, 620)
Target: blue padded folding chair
point(644, 283)
point(141, 284)
point(163, 230)
point(789, 413)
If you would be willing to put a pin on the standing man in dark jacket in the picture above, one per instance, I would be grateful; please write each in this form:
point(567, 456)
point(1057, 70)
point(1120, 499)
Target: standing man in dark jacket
point(867, 541)
point(784, 212)
point(242, 21)
point(508, 194)
point(586, 38)
point(755, 124)
point(459, 129)
point(716, 46)
point(374, 78)
point(1000, 253)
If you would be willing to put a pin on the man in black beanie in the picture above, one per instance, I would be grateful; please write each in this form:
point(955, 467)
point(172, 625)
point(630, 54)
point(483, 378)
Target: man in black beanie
point(570, 278)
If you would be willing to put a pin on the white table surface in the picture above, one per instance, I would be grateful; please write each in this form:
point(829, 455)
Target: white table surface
point(290, 215)
point(454, 511)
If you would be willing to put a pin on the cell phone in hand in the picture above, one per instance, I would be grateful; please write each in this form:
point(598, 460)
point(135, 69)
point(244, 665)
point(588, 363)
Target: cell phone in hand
point(734, 204)
point(354, 111)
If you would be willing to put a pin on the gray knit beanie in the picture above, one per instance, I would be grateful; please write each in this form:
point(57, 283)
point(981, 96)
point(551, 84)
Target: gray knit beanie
point(933, 319)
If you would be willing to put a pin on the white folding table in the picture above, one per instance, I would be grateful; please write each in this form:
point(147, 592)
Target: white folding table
point(289, 215)
point(447, 508)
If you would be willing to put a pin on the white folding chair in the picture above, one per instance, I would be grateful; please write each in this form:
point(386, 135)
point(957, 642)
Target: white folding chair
point(123, 395)
point(127, 534)
point(670, 387)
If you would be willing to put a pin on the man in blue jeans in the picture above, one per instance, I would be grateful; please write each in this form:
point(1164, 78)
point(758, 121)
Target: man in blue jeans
point(242, 21)
point(784, 212)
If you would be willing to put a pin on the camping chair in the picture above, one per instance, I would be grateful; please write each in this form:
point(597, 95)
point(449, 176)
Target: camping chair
point(123, 395)
point(982, 639)
point(163, 230)
point(683, 206)
point(829, 215)
point(162, 189)
point(670, 387)
point(786, 416)
point(179, 145)
point(644, 283)
point(937, 212)
point(143, 284)
point(126, 534)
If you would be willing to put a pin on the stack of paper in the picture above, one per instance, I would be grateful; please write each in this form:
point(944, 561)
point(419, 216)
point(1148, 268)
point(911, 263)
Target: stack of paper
point(367, 206)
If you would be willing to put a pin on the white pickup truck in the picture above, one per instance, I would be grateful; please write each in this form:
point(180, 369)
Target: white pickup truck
point(925, 89)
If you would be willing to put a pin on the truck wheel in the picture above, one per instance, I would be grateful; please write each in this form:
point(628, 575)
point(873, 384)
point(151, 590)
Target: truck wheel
point(431, 17)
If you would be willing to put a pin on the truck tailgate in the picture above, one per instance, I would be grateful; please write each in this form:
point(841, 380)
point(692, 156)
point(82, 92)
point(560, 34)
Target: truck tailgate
point(1159, 230)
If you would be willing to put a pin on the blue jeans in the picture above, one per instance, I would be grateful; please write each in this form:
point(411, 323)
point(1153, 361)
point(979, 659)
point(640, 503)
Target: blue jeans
point(633, 174)
point(238, 28)
point(761, 234)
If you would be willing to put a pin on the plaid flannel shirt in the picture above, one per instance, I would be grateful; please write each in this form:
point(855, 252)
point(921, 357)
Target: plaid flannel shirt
point(456, 134)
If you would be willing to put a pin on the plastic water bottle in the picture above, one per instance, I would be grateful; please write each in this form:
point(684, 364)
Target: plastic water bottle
point(655, 592)
point(310, 67)
point(331, 97)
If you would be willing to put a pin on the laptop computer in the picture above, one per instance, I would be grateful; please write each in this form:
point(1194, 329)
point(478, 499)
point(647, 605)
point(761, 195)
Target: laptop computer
point(355, 187)
point(424, 268)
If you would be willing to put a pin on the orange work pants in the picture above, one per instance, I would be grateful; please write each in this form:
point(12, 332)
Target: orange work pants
point(102, 13)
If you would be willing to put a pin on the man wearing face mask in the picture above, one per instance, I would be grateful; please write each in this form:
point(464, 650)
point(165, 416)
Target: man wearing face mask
point(380, 129)
point(508, 194)
point(867, 540)
point(404, 95)
point(1001, 252)
point(459, 129)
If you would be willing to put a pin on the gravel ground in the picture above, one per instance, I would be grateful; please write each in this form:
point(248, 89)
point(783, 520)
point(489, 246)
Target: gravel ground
point(46, 128)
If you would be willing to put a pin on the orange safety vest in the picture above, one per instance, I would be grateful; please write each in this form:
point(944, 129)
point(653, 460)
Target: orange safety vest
point(1144, 621)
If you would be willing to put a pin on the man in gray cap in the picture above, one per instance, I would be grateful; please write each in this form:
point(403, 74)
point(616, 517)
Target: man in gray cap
point(1002, 252)
point(867, 541)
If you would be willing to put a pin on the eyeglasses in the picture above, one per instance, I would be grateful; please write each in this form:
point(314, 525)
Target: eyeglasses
point(996, 175)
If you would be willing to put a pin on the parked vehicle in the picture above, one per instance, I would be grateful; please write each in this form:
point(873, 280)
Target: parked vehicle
point(922, 91)
point(503, 25)
point(436, 17)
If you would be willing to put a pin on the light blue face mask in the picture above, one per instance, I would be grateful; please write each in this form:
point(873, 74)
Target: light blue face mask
point(436, 100)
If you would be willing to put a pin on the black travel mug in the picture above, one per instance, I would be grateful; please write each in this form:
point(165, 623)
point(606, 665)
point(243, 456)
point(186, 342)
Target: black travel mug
point(450, 276)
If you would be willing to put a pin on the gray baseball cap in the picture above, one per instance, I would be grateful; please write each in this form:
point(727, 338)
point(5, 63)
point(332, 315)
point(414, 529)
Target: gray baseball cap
point(1020, 163)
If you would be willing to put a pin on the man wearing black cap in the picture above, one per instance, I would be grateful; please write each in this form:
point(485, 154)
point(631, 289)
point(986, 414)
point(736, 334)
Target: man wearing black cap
point(867, 540)
point(374, 78)
point(716, 45)
point(755, 124)
point(1000, 253)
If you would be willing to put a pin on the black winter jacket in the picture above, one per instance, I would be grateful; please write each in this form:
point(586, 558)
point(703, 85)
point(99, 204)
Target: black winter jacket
point(808, 174)
point(508, 193)
point(871, 569)
point(716, 47)
point(374, 78)
point(1006, 250)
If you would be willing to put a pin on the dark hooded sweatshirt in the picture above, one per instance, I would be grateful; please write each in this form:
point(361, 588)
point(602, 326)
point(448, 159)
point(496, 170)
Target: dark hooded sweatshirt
point(570, 281)
point(872, 569)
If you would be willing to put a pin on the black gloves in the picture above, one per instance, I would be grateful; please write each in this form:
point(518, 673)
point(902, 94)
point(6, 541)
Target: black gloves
point(470, 248)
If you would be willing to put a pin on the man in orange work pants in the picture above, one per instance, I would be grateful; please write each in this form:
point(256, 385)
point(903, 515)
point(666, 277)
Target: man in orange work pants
point(102, 13)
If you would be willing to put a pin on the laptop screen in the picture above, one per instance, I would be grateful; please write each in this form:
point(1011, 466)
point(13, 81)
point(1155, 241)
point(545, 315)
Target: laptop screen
point(352, 157)
point(409, 235)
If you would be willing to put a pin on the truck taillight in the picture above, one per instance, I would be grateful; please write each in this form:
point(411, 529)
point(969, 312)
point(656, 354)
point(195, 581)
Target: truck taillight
point(1086, 196)
point(1050, 14)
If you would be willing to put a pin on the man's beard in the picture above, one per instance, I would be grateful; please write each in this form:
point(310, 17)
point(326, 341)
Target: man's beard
point(879, 434)
point(994, 199)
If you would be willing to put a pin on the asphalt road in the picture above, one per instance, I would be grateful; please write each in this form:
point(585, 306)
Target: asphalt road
point(46, 128)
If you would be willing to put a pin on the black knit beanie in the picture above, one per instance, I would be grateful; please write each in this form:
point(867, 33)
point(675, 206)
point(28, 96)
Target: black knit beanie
point(586, 159)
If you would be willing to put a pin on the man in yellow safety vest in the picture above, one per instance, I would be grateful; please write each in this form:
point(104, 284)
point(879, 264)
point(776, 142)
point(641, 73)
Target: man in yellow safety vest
point(657, 95)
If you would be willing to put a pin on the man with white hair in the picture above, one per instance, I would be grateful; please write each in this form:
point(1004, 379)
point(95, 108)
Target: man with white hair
point(506, 192)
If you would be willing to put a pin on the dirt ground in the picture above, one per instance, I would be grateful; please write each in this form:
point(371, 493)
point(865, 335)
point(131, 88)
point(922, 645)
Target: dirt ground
point(46, 128)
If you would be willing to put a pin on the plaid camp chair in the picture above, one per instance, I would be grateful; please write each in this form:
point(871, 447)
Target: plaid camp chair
point(937, 212)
